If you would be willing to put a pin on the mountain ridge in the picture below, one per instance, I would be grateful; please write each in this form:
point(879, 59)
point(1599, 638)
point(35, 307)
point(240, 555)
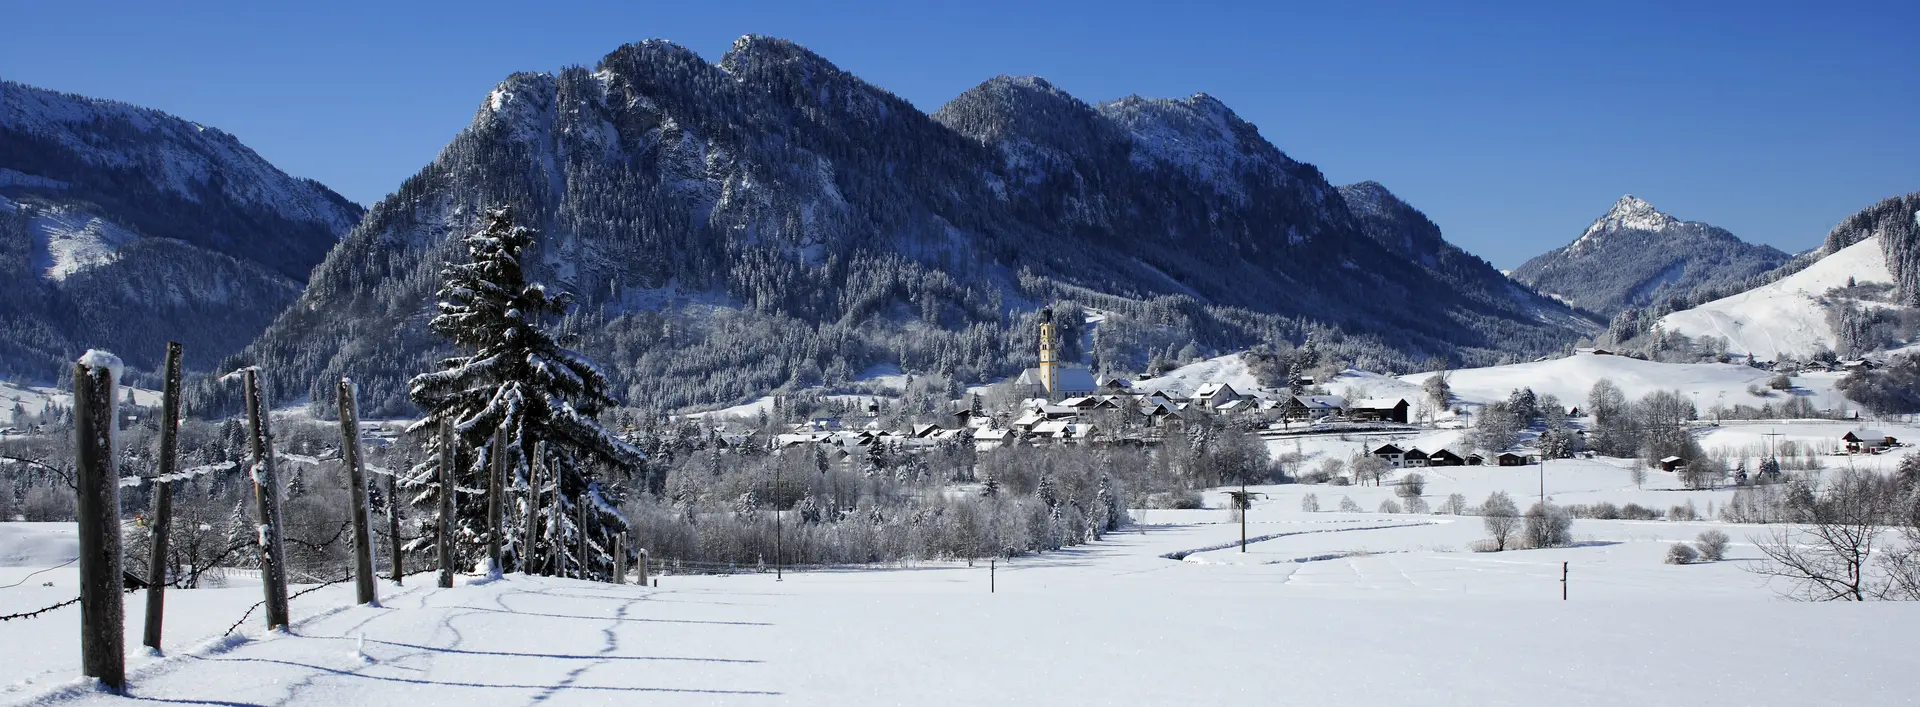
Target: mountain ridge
point(1651, 257)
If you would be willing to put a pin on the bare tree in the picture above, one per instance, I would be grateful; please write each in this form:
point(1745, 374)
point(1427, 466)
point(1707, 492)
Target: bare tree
point(1712, 545)
point(1827, 557)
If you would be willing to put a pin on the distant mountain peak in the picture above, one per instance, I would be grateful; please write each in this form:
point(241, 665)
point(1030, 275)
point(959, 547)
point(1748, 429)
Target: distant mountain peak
point(1631, 213)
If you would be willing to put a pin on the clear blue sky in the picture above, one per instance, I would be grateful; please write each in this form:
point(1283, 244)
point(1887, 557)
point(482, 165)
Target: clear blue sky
point(1511, 125)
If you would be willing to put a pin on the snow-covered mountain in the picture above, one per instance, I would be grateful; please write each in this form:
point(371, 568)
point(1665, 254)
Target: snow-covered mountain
point(1403, 229)
point(771, 221)
point(1857, 295)
point(123, 227)
point(1637, 255)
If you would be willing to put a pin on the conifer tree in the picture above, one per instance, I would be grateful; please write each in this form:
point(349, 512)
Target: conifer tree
point(515, 377)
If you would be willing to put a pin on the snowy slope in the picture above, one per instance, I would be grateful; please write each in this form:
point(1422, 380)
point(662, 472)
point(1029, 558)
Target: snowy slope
point(1229, 369)
point(1572, 377)
point(31, 398)
point(1785, 316)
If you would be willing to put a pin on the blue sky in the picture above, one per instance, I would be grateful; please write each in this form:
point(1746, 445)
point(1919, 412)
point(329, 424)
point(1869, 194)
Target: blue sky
point(1512, 125)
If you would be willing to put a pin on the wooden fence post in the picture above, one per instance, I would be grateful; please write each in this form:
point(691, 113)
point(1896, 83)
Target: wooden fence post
point(357, 493)
point(643, 567)
point(532, 514)
point(496, 505)
point(584, 567)
point(162, 521)
point(266, 497)
point(556, 543)
point(444, 539)
point(619, 558)
point(393, 523)
point(102, 618)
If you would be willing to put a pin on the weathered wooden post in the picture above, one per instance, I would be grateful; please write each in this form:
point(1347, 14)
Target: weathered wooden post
point(162, 521)
point(102, 618)
point(619, 558)
point(643, 567)
point(583, 534)
point(393, 523)
point(496, 505)
point(357, 481)
point(266, 498)
point(532, 513)
point(444, 538)
point(556, 542)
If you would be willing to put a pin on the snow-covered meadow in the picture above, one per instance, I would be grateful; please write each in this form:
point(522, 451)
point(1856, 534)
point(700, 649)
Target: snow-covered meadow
point(1324, 608)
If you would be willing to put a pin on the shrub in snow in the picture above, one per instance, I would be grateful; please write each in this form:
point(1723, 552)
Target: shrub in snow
point(1635, 511)
point(1182, 500)
point(1604, 510)
point(1348, 506)
point(1712, 545)
point(1388, 506)
point(1314, 477)
point(1456, 505)
point(1340, 481)
point(1548, 526)
point(1411, 486)
point(1502, 518)
point(1418, 506)
point(1310, 503)
point(1681, 554)
point(1683, 512)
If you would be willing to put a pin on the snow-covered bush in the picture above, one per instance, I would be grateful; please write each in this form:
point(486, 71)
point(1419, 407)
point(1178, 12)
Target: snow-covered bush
point(1712, 545)
point(1388, 506)
point(1548, 526)
point(1418, 506)
point(1456, 505)
point(1411, 486)
point(1681, 554)
point(1310, 503)
point(1348, 506)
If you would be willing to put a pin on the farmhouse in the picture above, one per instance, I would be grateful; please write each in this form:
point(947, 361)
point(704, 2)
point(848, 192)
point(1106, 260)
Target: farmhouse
point(1381, 409)
point(1509, 459)
point(1869, 441)
point(1672, 463)
point(1307, 407)
point(1391, 453)
point(1415, 458)
point(1214, 395)
point(1445, 457)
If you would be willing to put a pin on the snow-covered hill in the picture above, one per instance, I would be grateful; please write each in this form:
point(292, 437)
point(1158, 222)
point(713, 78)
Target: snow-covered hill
point(1572, 377)
point(1789, 316)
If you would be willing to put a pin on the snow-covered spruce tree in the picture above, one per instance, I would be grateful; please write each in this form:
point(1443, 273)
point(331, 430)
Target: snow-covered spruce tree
point(516, 377)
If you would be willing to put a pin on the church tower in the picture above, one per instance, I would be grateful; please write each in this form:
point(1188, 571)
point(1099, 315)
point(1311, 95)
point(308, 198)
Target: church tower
point(1049, 354)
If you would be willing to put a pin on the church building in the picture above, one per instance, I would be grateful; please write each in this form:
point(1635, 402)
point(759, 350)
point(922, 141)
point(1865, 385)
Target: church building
point(1053, 380)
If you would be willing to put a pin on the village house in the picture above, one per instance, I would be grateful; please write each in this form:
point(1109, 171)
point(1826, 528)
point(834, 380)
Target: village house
point(1672, 463)
point(1380, 409)
point(1213, 395)
point(1415, 458)
point(1509, 459)
point(1445, 457)
point(1867, 441)
point(1391, 453)
point(1310, 407)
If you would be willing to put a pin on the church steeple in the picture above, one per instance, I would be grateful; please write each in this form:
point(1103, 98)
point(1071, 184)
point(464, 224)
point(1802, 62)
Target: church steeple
point(1049, 354)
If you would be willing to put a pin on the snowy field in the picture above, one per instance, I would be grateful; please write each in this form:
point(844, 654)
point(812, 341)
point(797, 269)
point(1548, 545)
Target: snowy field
point(1324, 608)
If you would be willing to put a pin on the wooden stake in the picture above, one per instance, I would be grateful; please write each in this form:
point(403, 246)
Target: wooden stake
point(163, 499)
point(556, 544)
point(643, 567)
point(582, 503)
point(357, 493)
point(496, 504)
point(102, 616)
point(393, 522)
point(532, 514)
point(444, 537)
point(266, 498)
point(619, 558)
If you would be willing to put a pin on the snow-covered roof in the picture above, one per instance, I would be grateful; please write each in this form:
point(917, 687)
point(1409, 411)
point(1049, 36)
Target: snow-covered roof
point(1378, 403)
point(1051, 427)
point(1212, 389)
point(1866, 435)
point(1321, 402)
point(1388, 448)
point(1670, 460)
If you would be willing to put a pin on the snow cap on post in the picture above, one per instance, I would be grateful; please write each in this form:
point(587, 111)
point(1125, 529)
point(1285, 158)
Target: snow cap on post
point(95, 358)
